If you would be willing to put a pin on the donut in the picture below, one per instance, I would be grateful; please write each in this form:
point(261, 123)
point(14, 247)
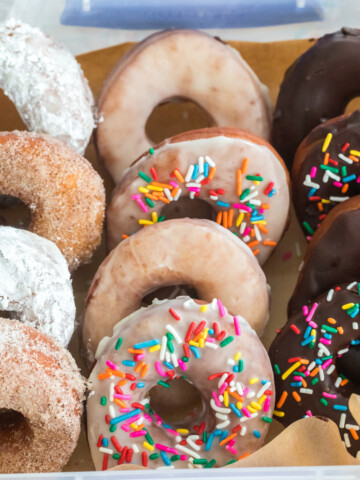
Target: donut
point(313, 360)
point(239, 179)
point(203, 344)
point(181, 251)
point(326, 171)
point(332, 256)
point(64, 194)
point(166, 66)
point(46, 84)
point(316, 87)
point(35, 284)
point(40, 401)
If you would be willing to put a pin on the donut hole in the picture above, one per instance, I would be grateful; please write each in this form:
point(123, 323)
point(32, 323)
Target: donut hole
point(348, 364)
point(14, 212)
point(181, 405)
point(15, 429)
point(168, 292)
point(173, 116)
point(185, 207)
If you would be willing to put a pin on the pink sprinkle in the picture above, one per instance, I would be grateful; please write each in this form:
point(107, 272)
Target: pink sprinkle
point(325, 341)
point(126, 428)
point(313, 172)
point(267, 404)
point(313, 324)
point(261, 210)
point(306, 373)
point(183, 457)
point(194, 189)
point(305, 310)
point(237, 326)
point(182, 365)
point(124, 410)
point(326, 364)
point(123, 397)
point(246, 412)
point(216, 398)
point(142, 205)
point(112, 365)
point(312, 311)
point(173, 432)
point(165, 448)
point(358, 179)
point(148, 418)
point(297, 379)
point(139, 356)
point(232, 442)
point(231, 449)
point(158, 419)
point(223, 388)
point(159, 370)
point(337, 184)
point(132, 419)
point(174, 184)
point(210, 339)
point(329, 395)
point(246, 231)
point(242, 207)
point(308, 413)
point(221, 308)
point(287, 255)
point(246, 390)
point(136, 197)
point(138, 433)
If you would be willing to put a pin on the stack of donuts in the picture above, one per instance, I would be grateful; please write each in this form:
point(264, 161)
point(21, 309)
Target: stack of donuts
point(177, 374)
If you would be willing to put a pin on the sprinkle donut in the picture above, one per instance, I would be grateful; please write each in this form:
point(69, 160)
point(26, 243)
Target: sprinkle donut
point(182, 251)
point(64, 193)
point(241, 178)
point(46, 84)
point(40, 401)
point(35, 284)
point(213, 350)
point(326, 169)
point(313, 360)
point(316, 87)
point(169, 65)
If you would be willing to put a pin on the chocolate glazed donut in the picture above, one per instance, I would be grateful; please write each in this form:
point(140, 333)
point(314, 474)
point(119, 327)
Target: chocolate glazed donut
point(317, 87)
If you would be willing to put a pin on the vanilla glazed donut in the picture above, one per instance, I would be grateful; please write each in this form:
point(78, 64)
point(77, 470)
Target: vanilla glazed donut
point(315, 358)
point(172, 64)
point(40, 401)
point(46, 84)
point(213, 350)
point(239, 175)
point(64, 193)
point(182, 251)
point(35, 284)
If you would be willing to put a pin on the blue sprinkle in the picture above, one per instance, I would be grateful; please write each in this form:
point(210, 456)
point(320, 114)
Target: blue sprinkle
point(223, 435)
point(129, 363)
point(342, 408)
point(195, 351)
point(206, 169)
point(211, 331)
point(165, 458)
point(308, 340)
point(307, 331)
point(140, 385)
point(311, 192)
point(169, 365)
point(219, 203)
point(209, 442)
point(235, 368)
point(121, 418)
point(273, 191)
point(149, 343)
point(355, 342)
point(105, 442)
point(255, 218)
point(349, 178)
point(295, 384)
point(166, 425)
point(257, 434)
point(318, 361)
point(328, 336)
point(264, 381)
point(195, 171)
point(354, 313)
point(217, 432)
point(235, 410)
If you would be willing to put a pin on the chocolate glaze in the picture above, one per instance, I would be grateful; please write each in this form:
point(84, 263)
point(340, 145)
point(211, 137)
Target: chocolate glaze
point(345, 130)
point(287, 345)
point(332, 257)
point(316, 88)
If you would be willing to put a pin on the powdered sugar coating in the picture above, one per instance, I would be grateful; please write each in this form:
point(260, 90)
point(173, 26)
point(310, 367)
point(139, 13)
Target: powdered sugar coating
point(35, 283)
point(41, 380)
point(46, 84)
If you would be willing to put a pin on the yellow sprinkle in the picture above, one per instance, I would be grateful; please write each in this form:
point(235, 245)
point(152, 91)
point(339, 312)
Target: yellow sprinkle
point(327, 142)
point(155, 188)
point(201, 343)
point(324, 200)
point(239, 219)
point(143, 190)
point(259, 222)
point(347, 305)
point(355, 152)
point(313, 332)
point(154, 217)
point(253, 380)
point(226, 398)
point(239, 405)
point(148, 446)
point(251, 409)
point(134, 426)
point(237, 356)
point(255, 405)
point(155, 348)
point(195, 344)
point(262, 399)
point(278, 414)
point(205, 333)
point(290, 370)
point(183, 431)
point(142, 221)
point(203, 308)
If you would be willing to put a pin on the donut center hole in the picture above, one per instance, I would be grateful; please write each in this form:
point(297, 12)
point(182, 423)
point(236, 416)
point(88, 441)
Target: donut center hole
point(168, 292)
point(14, 428)
point(185, 207)
point(13, 212)
point(175, 115)
point(349, 364)
point(181, 405)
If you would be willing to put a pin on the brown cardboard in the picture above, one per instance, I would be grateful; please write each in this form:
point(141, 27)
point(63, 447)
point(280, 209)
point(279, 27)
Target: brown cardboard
point(269, 60)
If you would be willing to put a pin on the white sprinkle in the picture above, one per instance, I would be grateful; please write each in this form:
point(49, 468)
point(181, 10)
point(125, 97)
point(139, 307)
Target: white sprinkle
point(106, 450)
point(243, 430)
point(232, 383)
point(168, 194)
point(337, 382)
point(262, 389)
point(323, 349)
point(341, 352)
point(297, 249)
point(190, 440)
point(342, 420)
point(222, 379)
point(172, 330)
point(174, 360)
point(346, 438)
point(192, 184)
point(321, 374)
point(187, 450)
point(177, 196)
point(135, 448)
point(219, 409)
point(330, 369)
point(163, 348)
point(309, 183)
point(242, 227)
point(199, 179)
point(140, 421)
point(334, 176)
point(210, 161)
point(231, 361)
point(144, 401)
point(351, 285)
point(111, 394)
point(112, 411)
point(355, 326)
point(221, 416)
point(211, 345)
point(348, 426)
point(257, 233)
point(311, 366)
point(239, 388)
point(330, 295)
point(167, 356)
point(189, 173)
point(221, 398)
point(255, 202)
point(223, 424)
point(201, 164)
point(306, 390)
point(192, 195)
point(338, 199)
point(250, 394)
point(214, 304)
point(325, 177)
point(250, 196)
point(346, 159)
point(246, 239)
point(214, 197)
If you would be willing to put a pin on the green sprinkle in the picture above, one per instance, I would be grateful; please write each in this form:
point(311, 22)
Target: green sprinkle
point(327, 357)
point(174, 458)
point(255, 178)
point(226, 341)
point(148, 438)
point(331, 169)
point(205, 436)
point(118, 343)
point(241, 365)
point(308, 228)
point(145, 177)
point(151, 150)
point(169, 336)
point(300, 374)
point(311, 345)
point(116, 456)
point(183, 377)
point(358, 288)
point(103, 400)
point(161, 219)
point(112, 428)
point(154, 456)
point(170, 346)
point(245, 193)
point(315, 381)
point(324, 402)
point(276, 369)
point(184, 359)
point(160, 382)
point(210, 464)
point(231, 461)
point(149, 202)
point(329, 329)
point(343, 171)
point(266, 419)
point(200, 461)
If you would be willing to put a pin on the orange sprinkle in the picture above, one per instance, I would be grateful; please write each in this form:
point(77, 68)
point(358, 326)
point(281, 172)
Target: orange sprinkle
point(252, 232)
point(102, 376)
point(331, 320)
point(304, 384)
point(162, 185)
point(344, 382)
point(178, 175)
point(120, 403)
point(212, 173)
point(144, 370)
point(296, 396)
point(354, 434)
point(121, 383)
point(139, 366)
point(353, 158)
point(151, 196)
point(125, 236)
point(164, 199)
point(304, 361)
point(117, 373)
point(174, 192)
point(326, 158)
point(244, 165)
point(314, 372)
point(219, 218)
point(253, 244)
point(340, 330)
point(282, 399)
point(269, 243)
point(225, 220)
point(265, 206)
point(320, 206)
point(262, 228)
point(132, 350)
point(345, 188)
point(236, 395)
point(157, 194)
point(230, 217)
point(256, 252)
point(227, 439)
point(238, 182)
point(244, 456)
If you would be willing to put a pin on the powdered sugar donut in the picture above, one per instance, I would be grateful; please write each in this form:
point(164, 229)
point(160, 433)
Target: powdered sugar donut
point(219, 354)
point(46, 84)
point(40, 401)
point(176, 64)
point(35, 284)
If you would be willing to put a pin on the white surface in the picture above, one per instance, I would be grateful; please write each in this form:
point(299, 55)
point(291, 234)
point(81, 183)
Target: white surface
point(45, 14)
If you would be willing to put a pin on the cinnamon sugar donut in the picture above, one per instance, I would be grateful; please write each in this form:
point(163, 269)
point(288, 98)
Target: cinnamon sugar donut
point(64, 193)
point(219, 354)
point(40, 401)
point(46, 84)
point(199, 253)
point(239, 176)
point(35, 284)
point(184, 64)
